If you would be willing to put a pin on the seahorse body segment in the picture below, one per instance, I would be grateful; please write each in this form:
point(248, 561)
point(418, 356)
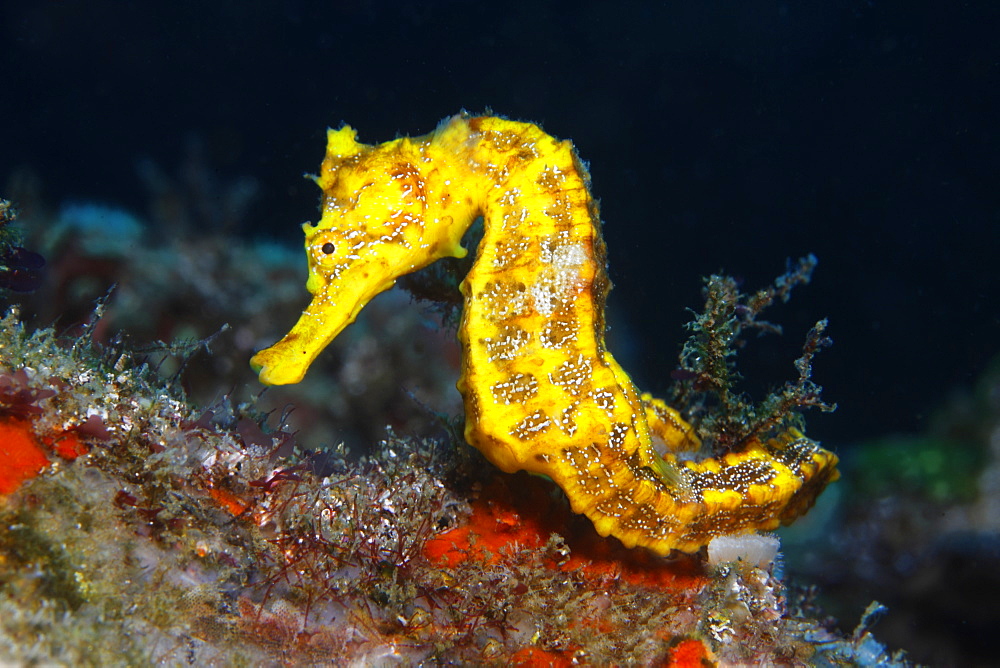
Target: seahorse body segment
point(541, 391)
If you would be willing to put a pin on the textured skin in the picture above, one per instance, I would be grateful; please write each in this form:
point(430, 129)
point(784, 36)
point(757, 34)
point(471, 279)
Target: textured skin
point(541, 391)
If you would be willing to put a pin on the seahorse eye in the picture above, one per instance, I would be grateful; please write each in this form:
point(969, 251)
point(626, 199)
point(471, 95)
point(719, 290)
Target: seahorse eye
point(327, 248)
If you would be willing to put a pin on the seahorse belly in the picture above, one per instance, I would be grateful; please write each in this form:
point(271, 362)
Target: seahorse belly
point(542, 393)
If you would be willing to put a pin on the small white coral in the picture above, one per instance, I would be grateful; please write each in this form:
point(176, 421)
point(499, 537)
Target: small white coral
point(756, 549)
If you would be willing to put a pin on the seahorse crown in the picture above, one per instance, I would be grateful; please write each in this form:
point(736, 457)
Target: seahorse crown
point(542, 393)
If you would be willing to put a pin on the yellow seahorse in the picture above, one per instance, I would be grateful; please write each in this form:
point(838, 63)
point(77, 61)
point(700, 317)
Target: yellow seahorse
point(541, 391)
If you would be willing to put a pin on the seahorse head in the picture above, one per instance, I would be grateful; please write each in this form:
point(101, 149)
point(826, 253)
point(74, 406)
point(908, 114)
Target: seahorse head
point(382, 217)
